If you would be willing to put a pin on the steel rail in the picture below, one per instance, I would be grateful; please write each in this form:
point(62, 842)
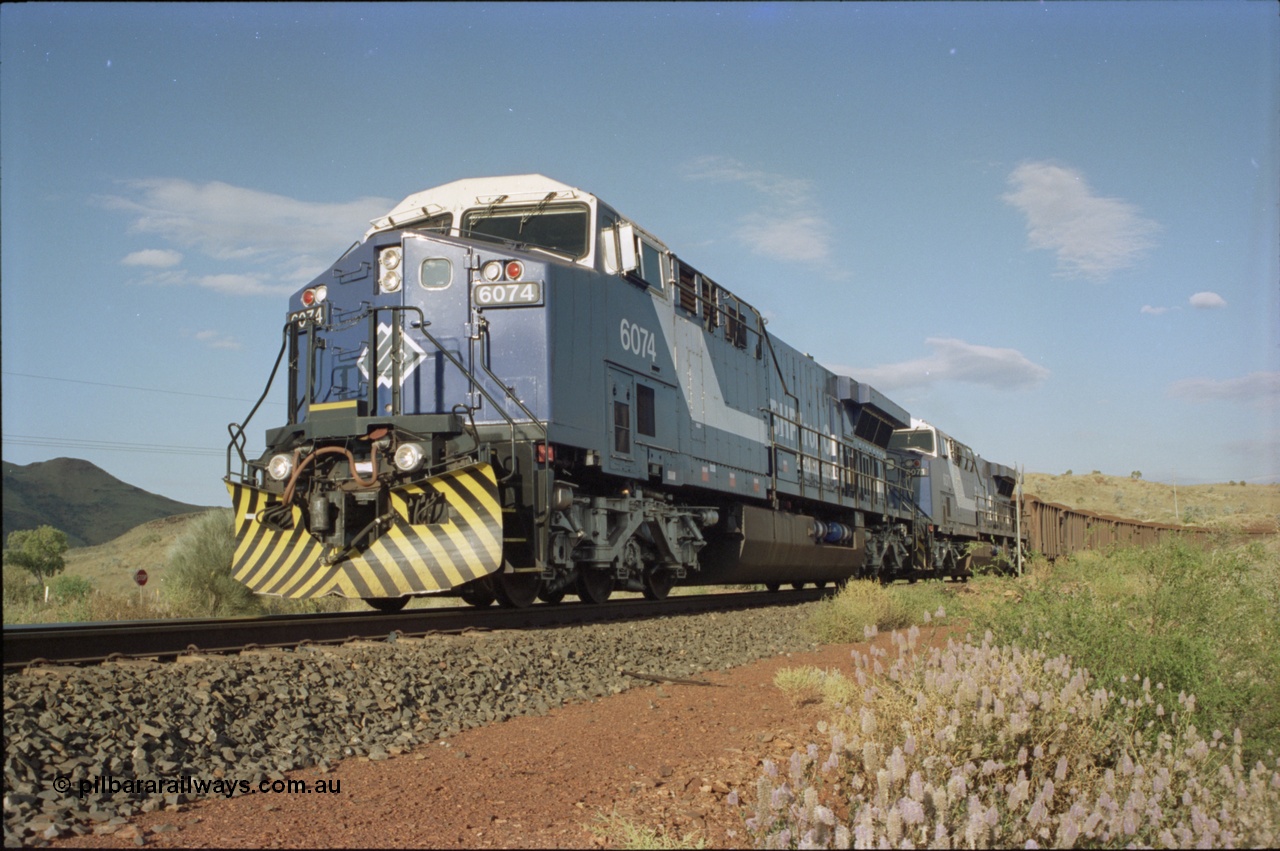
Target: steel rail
point(95, 642)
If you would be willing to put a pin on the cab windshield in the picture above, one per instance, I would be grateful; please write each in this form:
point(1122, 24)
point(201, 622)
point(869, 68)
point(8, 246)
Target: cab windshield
point(919, 439)
point(564, 229)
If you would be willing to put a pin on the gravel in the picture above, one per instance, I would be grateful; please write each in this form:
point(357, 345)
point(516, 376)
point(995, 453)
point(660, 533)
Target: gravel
point(244, 720)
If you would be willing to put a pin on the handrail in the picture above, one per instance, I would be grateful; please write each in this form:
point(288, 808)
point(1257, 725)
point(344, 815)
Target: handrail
point(843, 473)
point(237, 429)
point(372, 311)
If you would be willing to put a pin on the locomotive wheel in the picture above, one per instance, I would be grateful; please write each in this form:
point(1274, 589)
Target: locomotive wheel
point(594, 586)
point(516, 590)
point(772, 587)
point(478, 593)
point(658, 582)
point(797, 585)
point(387, 605)
point(551, 597)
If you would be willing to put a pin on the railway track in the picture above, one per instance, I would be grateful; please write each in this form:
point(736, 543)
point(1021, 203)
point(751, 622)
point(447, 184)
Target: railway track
point(95, 642)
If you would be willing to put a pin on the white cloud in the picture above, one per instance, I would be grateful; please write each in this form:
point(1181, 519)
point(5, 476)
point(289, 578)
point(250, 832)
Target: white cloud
point(156, 258)
point(268, 243)
point(955, 360)
point(1091, 235)
point(787, 225)
point(217, 340)
point(786, 190)
point(803, 239)
point(1156, 311)
point(1262, 388)
point(234, 284)
point(1207, 301)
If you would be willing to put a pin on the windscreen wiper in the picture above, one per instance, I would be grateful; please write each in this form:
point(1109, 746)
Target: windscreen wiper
point(542, 205)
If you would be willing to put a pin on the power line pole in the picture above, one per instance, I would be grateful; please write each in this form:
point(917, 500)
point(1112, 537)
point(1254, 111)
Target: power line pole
point(1017, 535)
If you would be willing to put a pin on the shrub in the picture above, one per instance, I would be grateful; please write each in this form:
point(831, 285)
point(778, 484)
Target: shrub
point(19, 589)
point(802, 685)
point(198, 580)
point(983, 745)
point(621, 832)
point(66, 589)
point(861, 603)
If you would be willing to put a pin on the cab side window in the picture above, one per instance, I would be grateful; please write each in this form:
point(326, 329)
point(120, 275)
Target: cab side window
point(650, 270)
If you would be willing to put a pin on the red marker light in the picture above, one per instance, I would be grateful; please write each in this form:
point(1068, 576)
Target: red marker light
point(515, 270)
point(308, 298)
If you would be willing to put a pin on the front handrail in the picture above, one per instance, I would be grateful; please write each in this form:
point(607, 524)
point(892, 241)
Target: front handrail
point(237, 429)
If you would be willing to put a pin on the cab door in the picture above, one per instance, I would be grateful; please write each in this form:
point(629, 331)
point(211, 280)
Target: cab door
point(620, 417)
point(655, 434)
point(436, 280)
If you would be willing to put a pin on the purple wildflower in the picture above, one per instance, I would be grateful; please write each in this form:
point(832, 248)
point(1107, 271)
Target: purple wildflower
point(912, 811)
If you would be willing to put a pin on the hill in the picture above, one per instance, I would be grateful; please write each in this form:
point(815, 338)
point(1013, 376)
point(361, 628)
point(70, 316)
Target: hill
point(1230, 506)
point(110, 566)
point(86, 502)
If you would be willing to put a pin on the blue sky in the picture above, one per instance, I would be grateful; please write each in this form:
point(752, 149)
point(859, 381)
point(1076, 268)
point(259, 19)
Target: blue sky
point(1050, 229)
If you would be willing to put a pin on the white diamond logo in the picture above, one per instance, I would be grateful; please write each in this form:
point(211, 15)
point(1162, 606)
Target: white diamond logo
point(410, 355)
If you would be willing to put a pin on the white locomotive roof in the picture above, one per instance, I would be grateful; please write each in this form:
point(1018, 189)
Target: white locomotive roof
point(472, 191)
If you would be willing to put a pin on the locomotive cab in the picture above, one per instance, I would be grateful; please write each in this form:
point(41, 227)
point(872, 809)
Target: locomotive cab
point(417, 376)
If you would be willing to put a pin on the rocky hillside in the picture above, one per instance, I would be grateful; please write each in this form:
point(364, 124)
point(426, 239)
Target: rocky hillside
point(87, 503)
point(1233, 505)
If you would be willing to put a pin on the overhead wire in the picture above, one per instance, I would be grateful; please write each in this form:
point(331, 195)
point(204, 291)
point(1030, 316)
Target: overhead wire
point(130, 387)
point(115, 445)
point(111, 445)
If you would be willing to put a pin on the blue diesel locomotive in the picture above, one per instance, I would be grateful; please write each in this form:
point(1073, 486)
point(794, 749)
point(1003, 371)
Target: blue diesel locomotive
point(508, 390)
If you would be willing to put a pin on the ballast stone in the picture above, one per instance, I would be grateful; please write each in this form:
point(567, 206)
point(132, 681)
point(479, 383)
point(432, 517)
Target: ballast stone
point(256, 716)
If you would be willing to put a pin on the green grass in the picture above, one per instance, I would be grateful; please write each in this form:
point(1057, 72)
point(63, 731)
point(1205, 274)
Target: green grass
point(1200, 621)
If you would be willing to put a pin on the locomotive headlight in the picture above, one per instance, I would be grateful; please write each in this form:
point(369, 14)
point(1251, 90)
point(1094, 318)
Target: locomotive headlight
point(388, 262)
point(409, 457)
point(491, 271)
point(279, 467)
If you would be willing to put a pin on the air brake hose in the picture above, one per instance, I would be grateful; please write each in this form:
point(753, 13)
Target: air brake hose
point(331, 450)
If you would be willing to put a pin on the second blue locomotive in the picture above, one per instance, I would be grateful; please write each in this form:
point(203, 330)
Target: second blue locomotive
point(508, 390)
